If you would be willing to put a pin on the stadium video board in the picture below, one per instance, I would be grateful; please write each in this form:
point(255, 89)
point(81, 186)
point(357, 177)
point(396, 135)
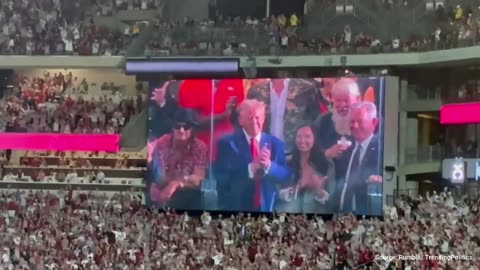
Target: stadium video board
point(301, 145)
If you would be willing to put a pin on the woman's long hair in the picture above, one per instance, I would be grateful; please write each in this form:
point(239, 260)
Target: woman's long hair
point(317, 158)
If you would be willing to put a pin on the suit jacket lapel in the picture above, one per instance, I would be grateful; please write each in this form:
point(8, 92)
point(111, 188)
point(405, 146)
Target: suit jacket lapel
point(242, 146)
point(370, 152)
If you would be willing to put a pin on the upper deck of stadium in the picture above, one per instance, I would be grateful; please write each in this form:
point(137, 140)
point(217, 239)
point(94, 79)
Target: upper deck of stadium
point(317, 33)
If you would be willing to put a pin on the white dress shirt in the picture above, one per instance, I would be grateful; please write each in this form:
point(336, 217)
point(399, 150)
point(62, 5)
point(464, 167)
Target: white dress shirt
point(257, 138)
point(278, 104)
point(358, 147)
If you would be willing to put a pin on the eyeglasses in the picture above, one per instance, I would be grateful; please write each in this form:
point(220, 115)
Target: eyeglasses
point(184, 126)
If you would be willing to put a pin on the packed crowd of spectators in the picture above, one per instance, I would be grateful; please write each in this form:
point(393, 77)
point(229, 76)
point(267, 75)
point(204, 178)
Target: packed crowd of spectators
point(55, 27)
point(74, 167)
point(109, 7)
point(72, 229)
point(225, 36)
point(55, 103)
point(45, 27)
point(283, 34)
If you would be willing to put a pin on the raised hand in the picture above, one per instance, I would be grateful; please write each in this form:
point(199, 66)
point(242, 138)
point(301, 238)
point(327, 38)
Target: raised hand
point(158, 94)
point(336, 150)
point(231, 105)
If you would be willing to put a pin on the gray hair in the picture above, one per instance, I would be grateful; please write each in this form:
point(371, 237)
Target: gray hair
point(249, 104)
point(369, 107)
point(346, 85)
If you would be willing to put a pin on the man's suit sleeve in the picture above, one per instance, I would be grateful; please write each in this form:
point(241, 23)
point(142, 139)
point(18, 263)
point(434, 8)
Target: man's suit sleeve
point(312, 107)
point(162, 118)
point(321, 127)
point(222, 172)
point(278, 168)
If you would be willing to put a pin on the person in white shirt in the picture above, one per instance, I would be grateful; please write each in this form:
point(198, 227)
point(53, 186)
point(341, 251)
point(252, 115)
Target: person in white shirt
point(71, 177)
point(284, 41)
point(10, 177)
point(29, 47)
point(228, 51)
point(111, 129)
point(76, 33)
point(67, 128)
point(396, 43)
point(108, 52)
point(11, 45)
point(100, 178)
point(69, 46)
point(114, 122)
point(95, 47)
point(347, 34)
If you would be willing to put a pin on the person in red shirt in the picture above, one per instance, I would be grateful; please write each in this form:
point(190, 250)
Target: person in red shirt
point(212, 98)
point(297, 261)
point(252, 252)
point(365, 257)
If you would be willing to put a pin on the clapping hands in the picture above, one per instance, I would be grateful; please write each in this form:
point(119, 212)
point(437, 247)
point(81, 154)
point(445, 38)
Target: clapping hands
point(312, 181)
point(263, 160)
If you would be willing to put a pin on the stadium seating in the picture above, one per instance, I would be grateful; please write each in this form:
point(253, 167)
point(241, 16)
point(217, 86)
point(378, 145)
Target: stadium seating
point(71, 229)
point(86, 210)
point(112, 28)
point(63, 103)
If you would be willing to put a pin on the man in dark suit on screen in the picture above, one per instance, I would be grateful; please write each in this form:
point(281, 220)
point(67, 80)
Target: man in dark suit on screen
point(359, 169)
point(249, 163)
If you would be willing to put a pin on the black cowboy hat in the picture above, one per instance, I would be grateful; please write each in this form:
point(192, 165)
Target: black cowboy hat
point(187, 116)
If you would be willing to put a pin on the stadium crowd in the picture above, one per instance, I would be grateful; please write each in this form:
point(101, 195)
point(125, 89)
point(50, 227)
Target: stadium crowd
point(47, 28)
point(109, 7)
point(73, 167)
point(55, 27)
point(55, 103)
point(282, 34)
point(77, 230)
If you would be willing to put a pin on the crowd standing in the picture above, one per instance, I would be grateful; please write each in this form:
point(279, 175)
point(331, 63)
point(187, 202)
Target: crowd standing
point(78, 230)
point(55, 27)
point(47, 27)
point(283, 34)
point(73, 229)
point(56, 103)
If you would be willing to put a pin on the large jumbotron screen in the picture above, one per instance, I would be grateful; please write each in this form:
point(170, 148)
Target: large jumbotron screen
point(295, 145)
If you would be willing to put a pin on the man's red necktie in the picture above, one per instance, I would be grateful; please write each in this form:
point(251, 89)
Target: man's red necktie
point(257, 195)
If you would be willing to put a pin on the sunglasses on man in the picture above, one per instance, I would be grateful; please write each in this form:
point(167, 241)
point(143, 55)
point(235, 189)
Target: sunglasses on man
point(183, 125)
